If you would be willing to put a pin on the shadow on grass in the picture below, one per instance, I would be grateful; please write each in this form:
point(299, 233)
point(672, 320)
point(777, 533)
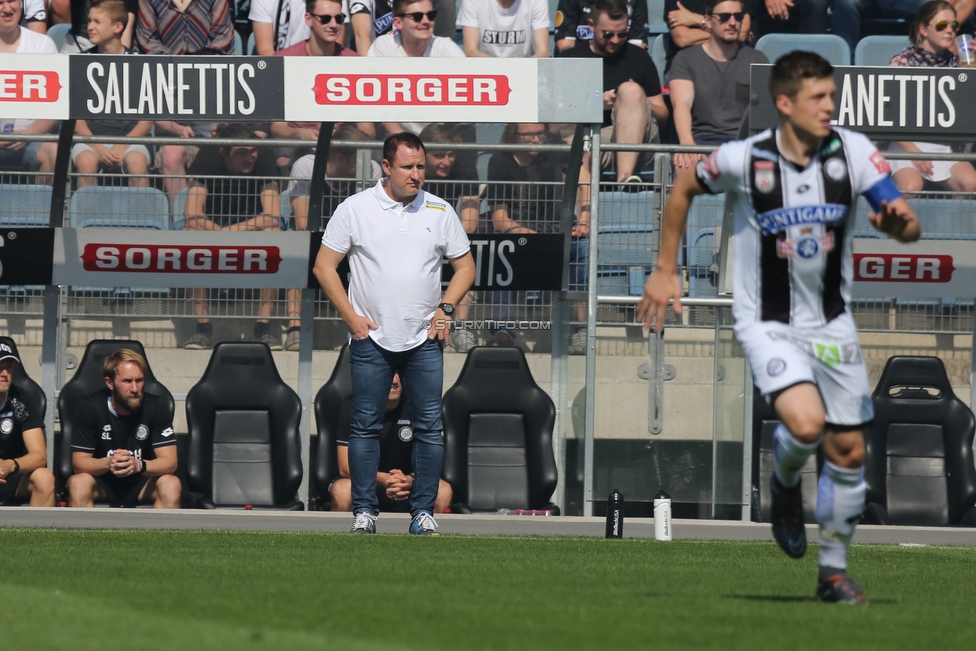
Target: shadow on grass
point(791, 598)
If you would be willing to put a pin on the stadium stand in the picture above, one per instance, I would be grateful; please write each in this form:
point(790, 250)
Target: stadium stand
point(626, 251)
point(833, 48)
point(242, 419)
point(878, 50)
point(59, 34)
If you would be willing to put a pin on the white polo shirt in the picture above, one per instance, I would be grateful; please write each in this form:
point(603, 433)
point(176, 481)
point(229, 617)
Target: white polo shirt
point(395, 258)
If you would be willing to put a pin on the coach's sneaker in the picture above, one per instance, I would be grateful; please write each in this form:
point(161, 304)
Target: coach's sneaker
point(788, 528)
point(840, 589)
point(423, 524)
point(364, 523)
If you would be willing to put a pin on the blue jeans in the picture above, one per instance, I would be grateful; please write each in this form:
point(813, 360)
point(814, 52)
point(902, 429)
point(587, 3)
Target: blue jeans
point(845, 17)
point(421, 371)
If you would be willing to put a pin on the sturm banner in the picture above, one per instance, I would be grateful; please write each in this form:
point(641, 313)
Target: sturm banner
point(207, 88)
point(888, 102)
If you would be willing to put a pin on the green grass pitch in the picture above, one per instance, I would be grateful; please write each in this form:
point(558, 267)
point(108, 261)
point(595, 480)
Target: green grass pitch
point(106, 590)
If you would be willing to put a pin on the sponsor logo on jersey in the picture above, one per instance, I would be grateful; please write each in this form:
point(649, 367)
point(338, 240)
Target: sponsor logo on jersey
point(880, 163)
point(836, 169)
point(806, 247)
point(142, 433)
point(6, 426)
point(167, 432)
point(433, 205)
point(559, 19)
point(405, 433)
point(776, 221)
point(803, 188)
point(765, 176)
point(775, 367)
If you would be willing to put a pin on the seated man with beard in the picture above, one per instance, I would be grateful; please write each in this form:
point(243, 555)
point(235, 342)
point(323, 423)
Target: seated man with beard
point(123, 448)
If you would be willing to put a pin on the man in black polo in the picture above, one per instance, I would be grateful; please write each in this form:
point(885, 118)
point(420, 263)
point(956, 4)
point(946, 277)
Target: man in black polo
point(23, 455)
point(123, 448)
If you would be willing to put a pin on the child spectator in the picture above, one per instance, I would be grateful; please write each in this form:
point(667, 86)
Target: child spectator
point(106, 23)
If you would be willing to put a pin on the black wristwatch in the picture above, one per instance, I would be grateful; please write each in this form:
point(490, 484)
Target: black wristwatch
point(446, 308)
point(142, 469)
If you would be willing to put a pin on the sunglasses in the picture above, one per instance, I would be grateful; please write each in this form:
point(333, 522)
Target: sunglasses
point(609, 35)
point(531, 135)
point(940, 25)
point(325, 19)
point(725, 16)
point(418, 16)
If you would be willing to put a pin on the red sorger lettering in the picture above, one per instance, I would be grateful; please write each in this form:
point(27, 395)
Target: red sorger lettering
point(29, 86)
point(149, 258)
point(900, 268)
point(416, 90)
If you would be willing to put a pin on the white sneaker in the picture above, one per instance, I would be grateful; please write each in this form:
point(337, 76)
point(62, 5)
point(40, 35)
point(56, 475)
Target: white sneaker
point(364, 523)
point(423, 524)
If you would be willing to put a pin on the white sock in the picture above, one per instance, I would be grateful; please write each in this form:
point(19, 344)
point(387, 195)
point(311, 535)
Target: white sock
point(790, 455)
point(840, 501)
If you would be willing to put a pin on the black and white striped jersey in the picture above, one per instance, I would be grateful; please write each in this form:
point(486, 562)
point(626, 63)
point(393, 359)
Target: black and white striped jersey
point(792, 227)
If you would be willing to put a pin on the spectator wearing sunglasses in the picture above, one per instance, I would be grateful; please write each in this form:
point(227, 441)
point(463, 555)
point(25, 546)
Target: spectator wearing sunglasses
point(686, 26)
point(633, 108)
point(413, 36)
point(932, 36)
point(710, 82)
point(791, 17)
point(278, 24)
point(573, 23)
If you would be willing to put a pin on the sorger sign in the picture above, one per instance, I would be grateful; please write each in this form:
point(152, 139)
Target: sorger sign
point(33, 86)
point(390, 90)
point(149, 258)
point(906, 268)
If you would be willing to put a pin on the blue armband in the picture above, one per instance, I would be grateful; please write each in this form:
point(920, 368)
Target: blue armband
point(883, 190)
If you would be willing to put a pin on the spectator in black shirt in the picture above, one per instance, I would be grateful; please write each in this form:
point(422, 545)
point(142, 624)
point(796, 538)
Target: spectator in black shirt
point(233, 189)
point(634, 108)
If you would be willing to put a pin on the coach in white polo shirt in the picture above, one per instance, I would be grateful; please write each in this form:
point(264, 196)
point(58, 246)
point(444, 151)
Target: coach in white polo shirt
point(396, 236)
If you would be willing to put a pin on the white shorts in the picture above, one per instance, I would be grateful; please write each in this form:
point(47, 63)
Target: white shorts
point(829, 357)
point(83, 147)
point(941, 169)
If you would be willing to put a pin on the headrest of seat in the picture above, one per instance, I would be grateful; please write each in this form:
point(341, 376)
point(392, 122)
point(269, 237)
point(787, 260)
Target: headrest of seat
point(341, 377)
point(495, 378)
point(241, 375)
point(88, 376)
point(903, 370)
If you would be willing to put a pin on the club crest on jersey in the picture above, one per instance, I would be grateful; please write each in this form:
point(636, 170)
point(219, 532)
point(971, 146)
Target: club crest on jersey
point(808, 246)
point(142, 432)
point(6, 426)
point(405, 433)
point(775, 367)
point(764, 176)
point(710, 166)
point(836, 169)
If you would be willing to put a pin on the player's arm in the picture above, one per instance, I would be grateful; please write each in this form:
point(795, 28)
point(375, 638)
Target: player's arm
point(163, 464)
point(86, 462)
point(362, 30)
point(663, 283)
point(891, 213)
point(36, 456)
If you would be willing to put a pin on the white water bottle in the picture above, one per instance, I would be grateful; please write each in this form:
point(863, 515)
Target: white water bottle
point(662, 516)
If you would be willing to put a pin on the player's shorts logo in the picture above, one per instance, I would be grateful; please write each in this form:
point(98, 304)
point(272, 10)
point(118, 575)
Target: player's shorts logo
point(405, 433)
point(764, 176)
point(829, 354)
point(142, 433)
point(836, 169)
point(6, 426)
point(775, 367)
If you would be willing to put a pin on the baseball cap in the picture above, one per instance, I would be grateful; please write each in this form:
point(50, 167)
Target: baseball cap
point(6, 352)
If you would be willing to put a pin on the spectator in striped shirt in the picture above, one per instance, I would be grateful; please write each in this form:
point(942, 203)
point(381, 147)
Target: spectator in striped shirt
point(185, 27)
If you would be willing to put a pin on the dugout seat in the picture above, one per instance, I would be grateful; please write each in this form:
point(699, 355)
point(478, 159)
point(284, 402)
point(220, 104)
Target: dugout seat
point(498, 428)
point(87, 380)
point(244, 445)
point(28, 386)
point(328, 404)
point(764, 423)
point(919, 461)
